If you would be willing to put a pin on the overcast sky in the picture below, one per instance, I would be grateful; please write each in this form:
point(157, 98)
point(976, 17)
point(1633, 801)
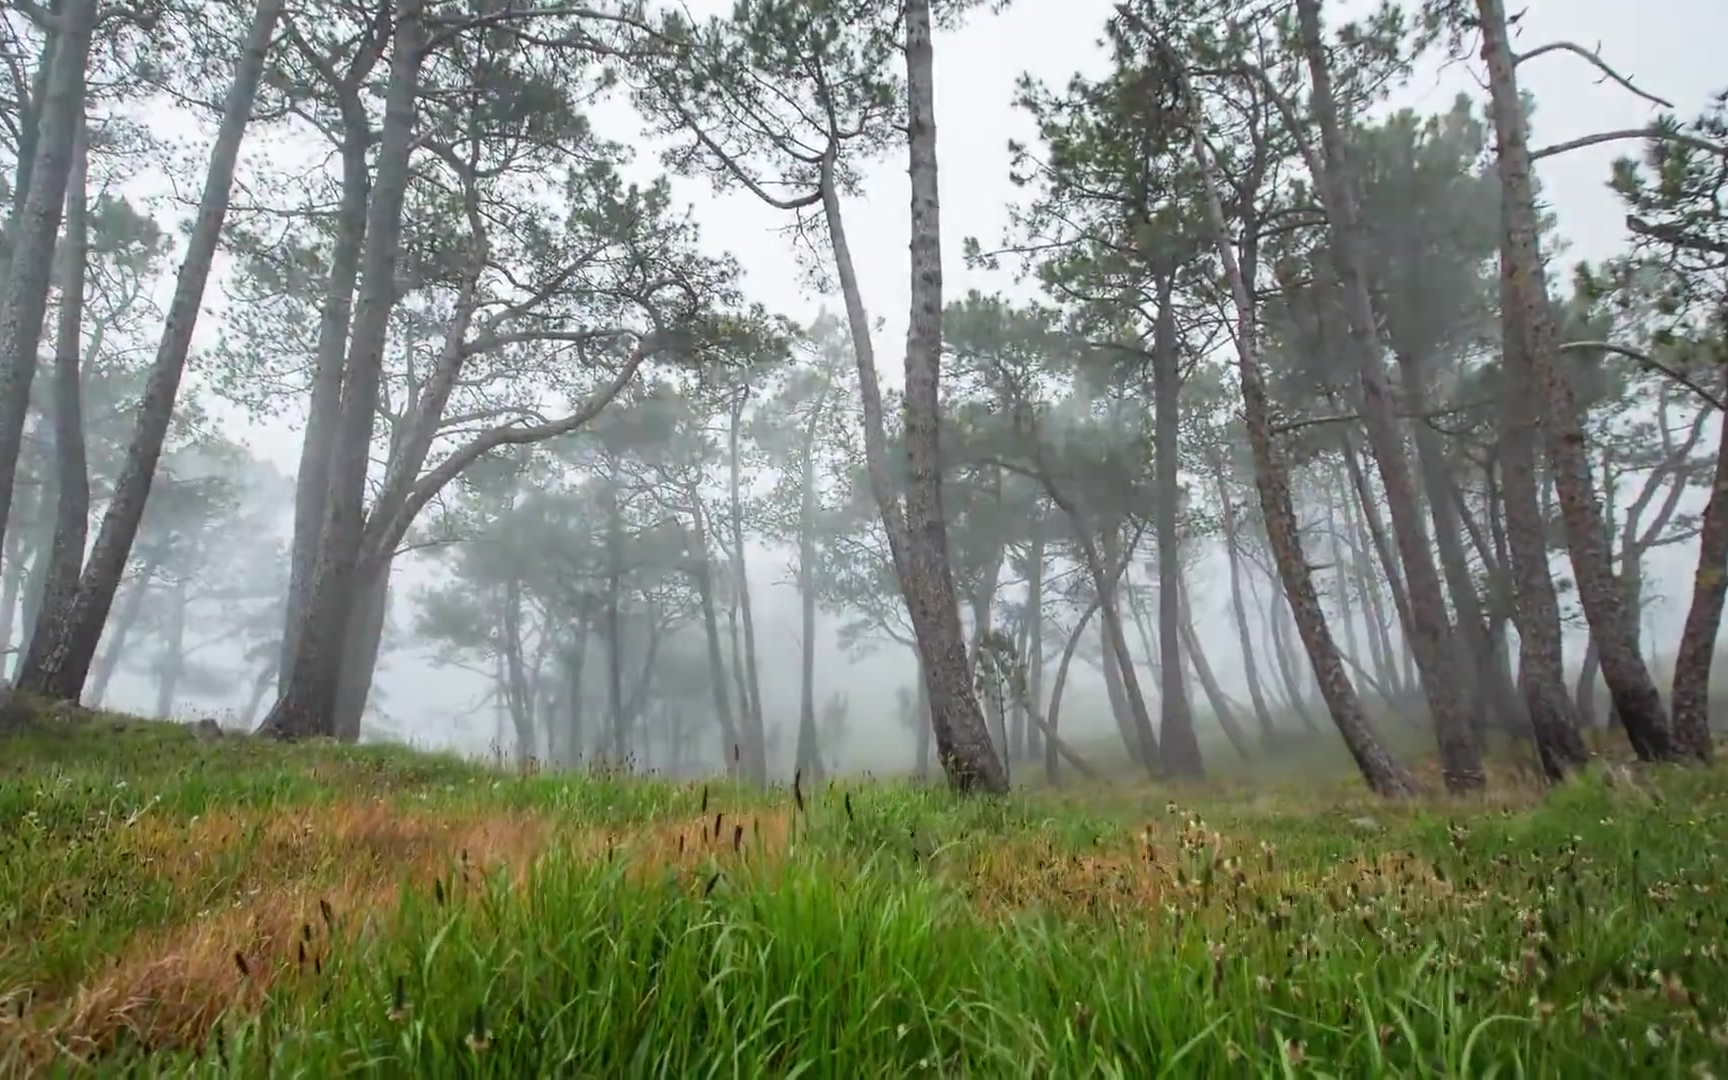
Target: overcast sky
point(1664, 45)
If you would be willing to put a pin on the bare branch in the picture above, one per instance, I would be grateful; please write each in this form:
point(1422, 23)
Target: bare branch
point(1596, 60)
point(1625, 134)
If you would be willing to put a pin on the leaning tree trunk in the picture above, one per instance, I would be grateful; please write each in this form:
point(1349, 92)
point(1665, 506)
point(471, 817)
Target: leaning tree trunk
point(1239, 609)
point(1530, 322)
point(118, 635)
point(1221, 707)
point(1052, 741)
point(1382, 773)
point(307, 703)
point(71, 634)
point(1436, 658)
point(1703, 618)
point(24, 305)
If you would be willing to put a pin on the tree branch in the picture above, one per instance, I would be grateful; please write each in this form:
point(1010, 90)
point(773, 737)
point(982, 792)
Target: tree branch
point(1596, 60)
point(1624, 134)
point(1649, 362)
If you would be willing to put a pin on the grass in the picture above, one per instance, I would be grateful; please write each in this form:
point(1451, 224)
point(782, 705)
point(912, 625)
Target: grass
point(175, 906)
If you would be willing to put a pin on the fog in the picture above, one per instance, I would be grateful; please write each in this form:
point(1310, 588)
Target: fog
point(495, 638)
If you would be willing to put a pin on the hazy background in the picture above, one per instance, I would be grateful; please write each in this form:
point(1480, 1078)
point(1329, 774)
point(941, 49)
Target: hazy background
point(1665, 46)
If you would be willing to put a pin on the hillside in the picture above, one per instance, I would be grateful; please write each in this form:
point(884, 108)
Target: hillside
point(227, 905)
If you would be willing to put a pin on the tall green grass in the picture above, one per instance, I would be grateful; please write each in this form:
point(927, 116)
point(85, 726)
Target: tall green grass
point(904, 933)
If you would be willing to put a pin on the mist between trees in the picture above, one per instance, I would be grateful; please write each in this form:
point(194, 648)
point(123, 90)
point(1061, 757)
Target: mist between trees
point(1292, 430)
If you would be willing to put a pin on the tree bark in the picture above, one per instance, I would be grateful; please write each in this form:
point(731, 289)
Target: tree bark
point(917, 534)
point(1052, 742)
point(360, 647)
point(323, 410)
point(71, 634)
point(809, 757)
point(1703, 618)
point(24, 305)
point(172, 663)
point(702, 569)
point(118, 633)
point(307, 703)
point(1382, 773)
point(1436, 659)
point(1209, 683)
point(1034, 653)
point(64, 560)
point(1529, 324)
point(1181, 749)
point(757, 765)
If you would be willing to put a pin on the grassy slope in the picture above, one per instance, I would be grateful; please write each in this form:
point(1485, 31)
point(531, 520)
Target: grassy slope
point(232, 905)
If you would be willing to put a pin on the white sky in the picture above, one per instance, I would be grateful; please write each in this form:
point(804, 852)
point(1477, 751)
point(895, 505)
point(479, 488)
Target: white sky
point(1664, 45)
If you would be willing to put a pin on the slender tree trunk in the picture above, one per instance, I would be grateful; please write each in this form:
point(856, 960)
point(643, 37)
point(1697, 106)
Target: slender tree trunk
point(1436, 658)
point(1118, 698)
point(1244, 640)
point(702, 569)
point(1703, 616)
point(1493, 695)
point(63, 561)
point(24, 305)
point(1052, 741)
point(1034, 653)
point(962, 735)
point(917, 533)
point(1181, 749)
point(1209, 683)
point(614, 621)
point(172, 663)
point(71, 635)
point(757, 764)
point(922, 716)
point(1530, 323)
point(809, 759)
point(1382, 773)
point(307, 703)
point(11, 582)
point(118, 634)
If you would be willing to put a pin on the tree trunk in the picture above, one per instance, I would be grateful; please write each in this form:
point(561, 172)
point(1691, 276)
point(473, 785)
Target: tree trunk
point(614, 624)
point(1181, 749)
point(63, 560)
point(1250, 667)
point(702, 569)
point(1703, 618)
point(962, 735)
point(917, 534)
point(1107, 571)
point(24, 305)
point(1436, 657)
point(1495, 695)
point(360, 647)
point(1529, 326)
point(72, 634)
point(757, 764)
point(1034, 653)
point(1052, 741)
point(307, 703)
point(172, 662)
point(1214, 693)
point(324, 409)
point(574, 663)
point(1120, 711)
point(1382, 773)
point(118, 634)
point(922, 718)
point(809, 757)
point(11, 582)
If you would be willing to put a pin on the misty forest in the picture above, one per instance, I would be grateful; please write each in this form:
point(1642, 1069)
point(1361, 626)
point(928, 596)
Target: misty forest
point(527, 549)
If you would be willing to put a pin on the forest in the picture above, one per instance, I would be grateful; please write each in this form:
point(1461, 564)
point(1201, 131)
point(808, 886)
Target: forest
point(453, 619)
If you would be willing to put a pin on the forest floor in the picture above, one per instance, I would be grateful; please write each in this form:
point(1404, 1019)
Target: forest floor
point(232, 906)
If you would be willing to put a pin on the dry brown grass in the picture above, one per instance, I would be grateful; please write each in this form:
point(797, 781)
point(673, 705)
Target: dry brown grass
point(314, 878)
